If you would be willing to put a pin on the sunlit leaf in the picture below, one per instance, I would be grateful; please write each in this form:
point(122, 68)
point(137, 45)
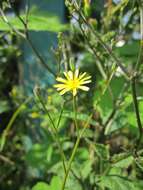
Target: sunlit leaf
point(36, 22)
point(41, 186)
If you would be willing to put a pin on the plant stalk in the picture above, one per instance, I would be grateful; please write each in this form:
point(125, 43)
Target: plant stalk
point(136, 108)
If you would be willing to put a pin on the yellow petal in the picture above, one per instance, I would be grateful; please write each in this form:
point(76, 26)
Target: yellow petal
point(59, 85)
point(82, 75)
point(66, 75)
point(74, 92)
point(70, 74)
point(85, 82)
point(59, 79)
point(60, 88)
point(85, 88)
point(76, 73)
point(85, 78)
point(64, 91)
point(73, 81)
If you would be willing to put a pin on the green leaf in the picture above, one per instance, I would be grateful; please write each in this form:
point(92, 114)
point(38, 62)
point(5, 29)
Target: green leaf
point(49, 153)
point(141, 105)
point(102, 151)
point(131, 118)
point(118, 123)
point(36, 22)
point(80, 116)
point(4, 106)
point(41, 186)
point(86, 169)
point(122, 160)
point(55, 184)
point(130, 49)
point(36, 157)
point(119, 183)
point(127, 101)
point(82, 154)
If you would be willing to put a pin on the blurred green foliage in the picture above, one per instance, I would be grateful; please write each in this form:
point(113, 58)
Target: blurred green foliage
point(106, 158)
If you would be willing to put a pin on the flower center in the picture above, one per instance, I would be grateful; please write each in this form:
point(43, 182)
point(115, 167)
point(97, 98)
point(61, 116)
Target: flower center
point(74, 83)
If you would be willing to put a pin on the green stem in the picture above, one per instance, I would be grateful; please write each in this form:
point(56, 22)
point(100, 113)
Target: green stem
point(55, 131)
point(70, 162)
point(9, 24)
point(10, 123)
point(60, 117)
point(136, 108)
point(38, 55)
point(73, 153)
point(140, 56)
point(75, 113)
point(104, 45)
point(26, 37)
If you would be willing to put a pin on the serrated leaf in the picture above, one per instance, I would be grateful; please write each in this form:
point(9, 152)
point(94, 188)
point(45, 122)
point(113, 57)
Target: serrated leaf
point(124, 163)
point(113, 182)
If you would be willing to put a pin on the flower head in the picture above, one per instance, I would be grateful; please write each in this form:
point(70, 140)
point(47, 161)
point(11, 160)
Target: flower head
point(72, 82)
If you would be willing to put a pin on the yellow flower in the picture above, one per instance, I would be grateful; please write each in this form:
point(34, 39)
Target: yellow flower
point(72, 82)
point(34, 115)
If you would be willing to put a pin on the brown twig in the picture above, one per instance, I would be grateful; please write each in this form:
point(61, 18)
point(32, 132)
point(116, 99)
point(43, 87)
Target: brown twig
point(6, 160)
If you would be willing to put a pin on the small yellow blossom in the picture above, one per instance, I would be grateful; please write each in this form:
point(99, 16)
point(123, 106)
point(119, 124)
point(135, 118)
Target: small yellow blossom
point(49, 99)
point(72, 82)
point(14, 91)
point(34, 115)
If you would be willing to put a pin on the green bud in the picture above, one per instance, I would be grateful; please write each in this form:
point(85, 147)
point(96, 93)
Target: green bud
point(71, 64)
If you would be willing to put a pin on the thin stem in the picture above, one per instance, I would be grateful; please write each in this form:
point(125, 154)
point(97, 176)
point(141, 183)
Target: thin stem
point(55, 131)
point(70, 162)
point(98, 61)
point(104, 45)
point(79, 179)
point(113, 69)
point(11, 121)
point(133, 85)
point(38, 55)
point(74, 152)
point(60, 117)
point(6, 160)
point(112, 115)
point(140, 56)
point(75, 113)
point(29, 41)
point(99, 65)
point(26, 36)
point(10, 25)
